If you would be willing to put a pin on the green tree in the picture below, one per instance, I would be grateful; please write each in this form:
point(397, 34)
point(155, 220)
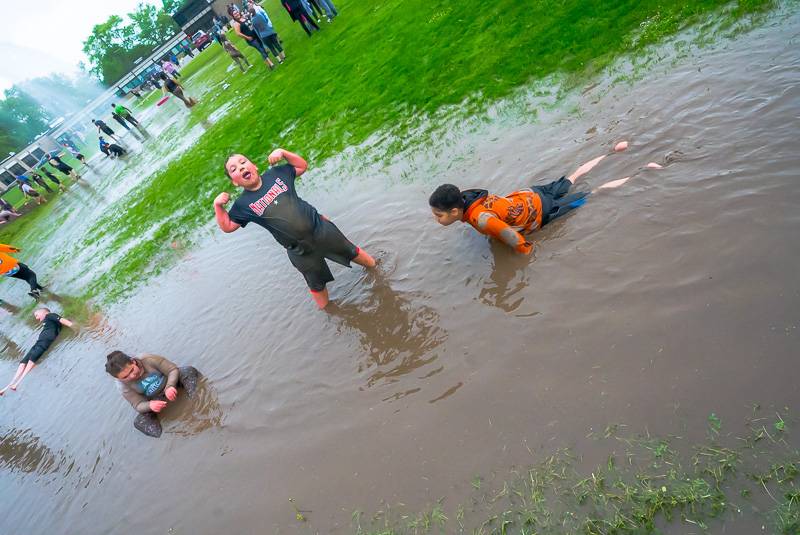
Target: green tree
point(21, 120)
point(114, 45)
point(153, 26)
point(171, 6)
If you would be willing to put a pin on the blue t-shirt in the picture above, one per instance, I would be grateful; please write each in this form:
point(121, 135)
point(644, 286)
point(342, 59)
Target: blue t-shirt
point(150, 384)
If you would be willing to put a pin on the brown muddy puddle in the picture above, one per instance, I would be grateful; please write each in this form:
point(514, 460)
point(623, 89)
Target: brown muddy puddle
point(654, 305)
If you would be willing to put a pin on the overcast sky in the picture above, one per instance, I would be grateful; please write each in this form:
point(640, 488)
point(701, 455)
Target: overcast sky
point(47, 36)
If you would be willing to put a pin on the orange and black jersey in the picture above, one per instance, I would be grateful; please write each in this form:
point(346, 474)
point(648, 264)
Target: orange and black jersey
point(7, 262)
point(504, 218)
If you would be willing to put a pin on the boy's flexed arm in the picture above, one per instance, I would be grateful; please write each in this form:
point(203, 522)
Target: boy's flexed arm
point(223, 219)
point(66, 322)
point(299, 164)
point(490, 224)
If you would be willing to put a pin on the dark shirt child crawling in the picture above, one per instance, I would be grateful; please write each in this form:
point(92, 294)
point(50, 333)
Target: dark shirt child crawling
point(51, 327)
point(148, 382)
point(271, 201)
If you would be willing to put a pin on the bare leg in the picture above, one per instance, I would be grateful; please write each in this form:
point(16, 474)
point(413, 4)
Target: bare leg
point(28, 367)
point(364, 259)
point(17, 375)
point(620, 181)
point(320, 298)
point(614, 183)
point(588, 166)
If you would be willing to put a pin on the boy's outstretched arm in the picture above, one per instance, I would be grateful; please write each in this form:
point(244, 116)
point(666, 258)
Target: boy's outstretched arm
point(66, 322)
point(223, 219)
point(299, 164)
point(493, 226)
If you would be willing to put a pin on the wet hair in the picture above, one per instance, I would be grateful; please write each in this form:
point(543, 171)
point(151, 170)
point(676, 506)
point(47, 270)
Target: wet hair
point(446, 197)
point(116, 361)
point(231, 155)
point(232, 9)
point(113, 105)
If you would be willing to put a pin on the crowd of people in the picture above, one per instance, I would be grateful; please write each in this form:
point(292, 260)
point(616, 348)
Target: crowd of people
point(270, 200)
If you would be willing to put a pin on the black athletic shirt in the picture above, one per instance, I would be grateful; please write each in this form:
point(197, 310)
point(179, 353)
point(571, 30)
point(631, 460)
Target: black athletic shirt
point(247, 29)
point(276, 207)
point(52, 326)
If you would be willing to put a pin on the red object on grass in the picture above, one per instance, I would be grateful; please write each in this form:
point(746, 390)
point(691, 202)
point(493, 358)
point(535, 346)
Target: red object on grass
point(163, 100)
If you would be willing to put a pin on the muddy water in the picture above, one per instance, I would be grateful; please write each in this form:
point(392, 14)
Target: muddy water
point(653, 305)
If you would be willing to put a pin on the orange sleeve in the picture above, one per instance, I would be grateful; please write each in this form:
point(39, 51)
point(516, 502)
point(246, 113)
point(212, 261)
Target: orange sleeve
point(492, 225)
point(8, 248)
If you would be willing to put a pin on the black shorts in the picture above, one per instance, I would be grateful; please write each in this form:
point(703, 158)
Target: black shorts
point(65, 169)
point(329, 244)
point(555, 201)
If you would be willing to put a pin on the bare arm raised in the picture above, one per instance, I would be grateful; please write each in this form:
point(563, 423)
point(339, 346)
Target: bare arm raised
point(299, 164)
point(223, 219)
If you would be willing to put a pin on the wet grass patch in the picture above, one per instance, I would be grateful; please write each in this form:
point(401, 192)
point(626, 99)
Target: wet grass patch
point(393, 70)
point(645, 485)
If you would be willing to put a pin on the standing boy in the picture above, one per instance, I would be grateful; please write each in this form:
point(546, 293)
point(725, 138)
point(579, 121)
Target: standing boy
point(271, 201)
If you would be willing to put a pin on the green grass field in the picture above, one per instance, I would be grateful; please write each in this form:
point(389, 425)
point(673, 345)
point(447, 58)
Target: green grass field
point(380, 67)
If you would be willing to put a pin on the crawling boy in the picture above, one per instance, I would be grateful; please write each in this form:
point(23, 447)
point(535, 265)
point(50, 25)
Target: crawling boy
point(509, 218)
point(271, 201)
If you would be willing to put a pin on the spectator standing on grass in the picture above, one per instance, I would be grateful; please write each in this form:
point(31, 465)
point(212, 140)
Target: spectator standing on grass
point(39, 180)
point(266, 32)
point(121, 120)
point(298, 13)
point(59, 164)
point(52, 177)
point(244, 29)
point(329, 8)
point(28, 191)
point(170, 68)
point(235, 54)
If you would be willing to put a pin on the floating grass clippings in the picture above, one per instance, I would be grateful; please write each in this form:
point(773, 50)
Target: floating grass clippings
point(648, 486)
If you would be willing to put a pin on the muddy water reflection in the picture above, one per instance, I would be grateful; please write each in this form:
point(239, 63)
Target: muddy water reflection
point(398, 334)
point(653, 305)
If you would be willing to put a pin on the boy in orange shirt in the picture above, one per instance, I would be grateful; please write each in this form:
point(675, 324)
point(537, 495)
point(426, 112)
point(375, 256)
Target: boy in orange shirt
point(509, 218)
point(11, 267)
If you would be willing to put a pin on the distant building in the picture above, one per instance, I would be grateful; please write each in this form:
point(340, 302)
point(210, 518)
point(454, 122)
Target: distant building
point(197, 15)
